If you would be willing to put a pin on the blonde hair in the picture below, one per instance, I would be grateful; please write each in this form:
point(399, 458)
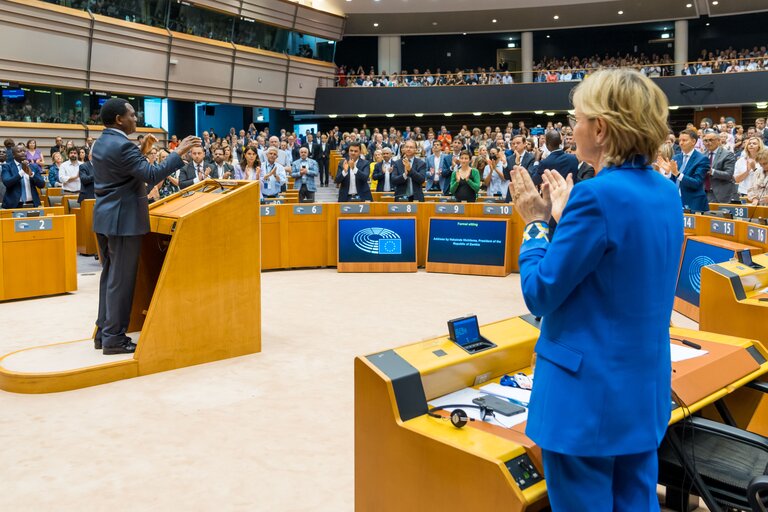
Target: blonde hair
point(762, 156)
point(760, 145)
point(633, 108)
point(667, 151)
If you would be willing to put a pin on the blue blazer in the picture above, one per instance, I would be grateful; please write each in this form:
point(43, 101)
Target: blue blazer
point(691, 181)
point(361, 181)
point(445, 171)
point(312, 171)
point(557, 160)
point(14, 186)
point(121, 173)
point(605, 287)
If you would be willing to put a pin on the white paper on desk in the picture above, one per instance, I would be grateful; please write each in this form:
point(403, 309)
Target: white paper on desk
point(681, 353)
point(465, 397)
point(523, 396)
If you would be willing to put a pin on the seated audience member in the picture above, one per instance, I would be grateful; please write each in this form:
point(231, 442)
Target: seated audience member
point(758, 192)
point(220, 169)
point(272, 175)
point(352, 176)
point(303, 171)
point(250, 167)
point(170, 185)
point(689, 170)
point(21, 180)
point(409, 174)
point(496, 183)
point(86, 181)
point(382, 172)
point(195, 171)
point(53, 170)
point(465, 181)
point(438, 169)
point(746, 166)
point(69, 173)
point(720, 185)
point(557, 160)
point(33, 154)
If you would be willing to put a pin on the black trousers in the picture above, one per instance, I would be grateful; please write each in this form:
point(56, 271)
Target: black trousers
point(324, 174)
point(306, 194)
point(120, 260)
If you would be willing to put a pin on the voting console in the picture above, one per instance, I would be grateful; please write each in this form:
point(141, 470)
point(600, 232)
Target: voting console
point(197, 296)
point(407, 460)
point(31, 240)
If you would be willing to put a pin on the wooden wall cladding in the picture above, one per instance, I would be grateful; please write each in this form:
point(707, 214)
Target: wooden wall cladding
point(228, 6)
point(202, 70)
point(304, 77)
point(129, 57)
point(259, 78)
point(44, 44)
point(319, 23)
point(270, 11)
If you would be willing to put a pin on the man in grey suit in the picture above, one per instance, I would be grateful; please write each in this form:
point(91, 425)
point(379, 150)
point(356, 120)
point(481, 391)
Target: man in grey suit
point(121, 217)
point(719, 184)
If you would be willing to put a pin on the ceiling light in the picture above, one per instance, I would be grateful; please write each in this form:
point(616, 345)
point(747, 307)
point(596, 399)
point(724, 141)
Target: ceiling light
point(493, 20)
point(673, 107)
point(555, 17)
point(511, 39)
point(761, 106)
point(687, 5)
point(333, 116)
point(715, 2)
point(448, 114)
point(477, 113)
point(419, 115)
point(550, 114)
point(572, 112)
point(463, 33)
point(707, 23)
point(390, 115)
point(434, 23)
point(361, 115)
point(538, 112)
point(511, 45)
point(665, 35)
point(375, 24)
point(507, 113)
point(547, 36)
point(621, 12)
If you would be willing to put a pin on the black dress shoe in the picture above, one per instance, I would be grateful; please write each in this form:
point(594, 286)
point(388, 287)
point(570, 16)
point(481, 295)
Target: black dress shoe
point(127, 347)
point(97, 344)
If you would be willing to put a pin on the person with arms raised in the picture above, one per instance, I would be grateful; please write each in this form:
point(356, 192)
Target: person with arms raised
point(600, 403)
point(121, 216)
point(21, 179)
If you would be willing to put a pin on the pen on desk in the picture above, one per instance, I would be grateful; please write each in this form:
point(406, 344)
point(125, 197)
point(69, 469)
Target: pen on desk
point(691, 344)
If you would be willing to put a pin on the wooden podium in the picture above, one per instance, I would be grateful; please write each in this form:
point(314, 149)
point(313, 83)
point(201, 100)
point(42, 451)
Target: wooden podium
point(187, 308)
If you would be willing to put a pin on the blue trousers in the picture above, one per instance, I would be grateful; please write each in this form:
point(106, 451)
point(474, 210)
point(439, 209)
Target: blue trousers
point(625, 483)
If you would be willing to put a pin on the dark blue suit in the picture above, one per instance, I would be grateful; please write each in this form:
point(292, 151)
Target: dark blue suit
point(605, 288)
point(14, 185)
point(444, 181)
point(691, 181)
point(559, 161)
point(361, 181)
point(120, 220)
point(417, 175)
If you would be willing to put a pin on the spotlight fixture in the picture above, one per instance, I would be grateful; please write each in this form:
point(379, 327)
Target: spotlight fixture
point(390, 115)
point(673, 107)
point(477, 113)
point(621, 12)
point(547, 36)
point(333, 116)
point(715, 2)
point(538, 112)
point(707, 23)
point(419, 115)
point(550, 114)
point(689, 5)
point(448, 114)
point(361, 115)
point(463, 33)
point(555, 17)
point(375, 24)
point(507, 113)
point(493, 20)
point(434, 23)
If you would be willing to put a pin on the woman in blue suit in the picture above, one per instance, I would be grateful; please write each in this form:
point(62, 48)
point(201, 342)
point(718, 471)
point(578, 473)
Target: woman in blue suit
point(605, 288)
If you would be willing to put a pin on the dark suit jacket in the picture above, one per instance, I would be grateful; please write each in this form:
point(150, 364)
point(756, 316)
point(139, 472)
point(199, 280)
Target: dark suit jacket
point(559, 161)
point(417, 174)
point(86, 182)
point(585, 172)
point(315, 151)
point(14, 186)
point(361, 181)
point(295, 153)
point(215, 170)
point(324, 156)
point(189, 173)
point(121, 173)
point(724, 188)
point(526, 161)
point(691, 181)
point(378, 175)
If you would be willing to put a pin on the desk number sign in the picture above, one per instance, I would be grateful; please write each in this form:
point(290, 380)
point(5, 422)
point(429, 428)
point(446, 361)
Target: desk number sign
point(502, 209)
point(403, 208)
point(32, 224)
point(355, 209)
point(722, 227)
point(689, 222)
point(756, 234)
point(268, 211)
point(28, 213)
point(449, 208)
point(314, 209)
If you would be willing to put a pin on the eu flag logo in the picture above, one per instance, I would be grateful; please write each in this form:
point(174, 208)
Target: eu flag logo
point(390, 246)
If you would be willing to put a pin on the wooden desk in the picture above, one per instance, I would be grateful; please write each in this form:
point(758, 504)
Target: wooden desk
point(31, 212)
point(86, 238)
point(46, 246)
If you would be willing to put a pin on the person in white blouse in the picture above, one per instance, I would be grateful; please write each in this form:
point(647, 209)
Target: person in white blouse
point(747, 167)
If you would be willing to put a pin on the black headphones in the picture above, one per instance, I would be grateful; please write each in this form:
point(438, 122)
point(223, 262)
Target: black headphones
point(459, 417)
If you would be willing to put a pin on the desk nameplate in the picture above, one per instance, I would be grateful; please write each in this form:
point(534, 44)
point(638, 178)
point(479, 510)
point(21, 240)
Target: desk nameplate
point(355, 209)
point(41, 224)
point(500, 209)
point(757, 234)
point(450, 208)
point(739, 212)
point(689, 222)
point(722, 227)
point(268, 211)
point(403, 208)
point(314, 209)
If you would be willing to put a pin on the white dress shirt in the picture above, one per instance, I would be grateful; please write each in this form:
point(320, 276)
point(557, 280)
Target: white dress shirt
point(26, 196)
point(68, 170)
point(352, 179)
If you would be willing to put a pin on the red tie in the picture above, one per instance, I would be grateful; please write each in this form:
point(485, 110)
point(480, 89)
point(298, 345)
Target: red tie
point(707, 186)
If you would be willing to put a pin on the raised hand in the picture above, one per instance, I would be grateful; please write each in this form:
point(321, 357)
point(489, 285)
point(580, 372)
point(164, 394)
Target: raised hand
point(559, 190)
point(147, 144)
point(188, 143)
point(529, 204)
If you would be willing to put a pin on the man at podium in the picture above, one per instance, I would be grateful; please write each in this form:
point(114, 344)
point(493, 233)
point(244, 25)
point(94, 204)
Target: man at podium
point(121, 217)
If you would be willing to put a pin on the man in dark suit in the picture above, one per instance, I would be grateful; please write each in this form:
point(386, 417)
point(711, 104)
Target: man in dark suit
point(121, 217)
point(558, 160)
point(21, 180)
point(584, 172)
point(58, 147)
point(519, 157)
point(324, 157)
point(196, 170)
point(352, 177)
point(689, 170)
point(220, 170)
point(382, 172)
point(86, 180)
point(438, 169)
point(722, 187)
point(409, 174)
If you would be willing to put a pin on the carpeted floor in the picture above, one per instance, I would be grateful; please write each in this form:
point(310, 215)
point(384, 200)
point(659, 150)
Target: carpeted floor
point(267, 432)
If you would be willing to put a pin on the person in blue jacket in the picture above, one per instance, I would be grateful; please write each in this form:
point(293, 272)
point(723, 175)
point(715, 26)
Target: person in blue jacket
point(604, 286)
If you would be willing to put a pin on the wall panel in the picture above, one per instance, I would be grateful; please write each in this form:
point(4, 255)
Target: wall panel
point(304, 77)
point(274, 12)
point(319, 23)
point(128, 57)
point(43, 44)
point(228, 6)
point(203, 69)
point(259, 78)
